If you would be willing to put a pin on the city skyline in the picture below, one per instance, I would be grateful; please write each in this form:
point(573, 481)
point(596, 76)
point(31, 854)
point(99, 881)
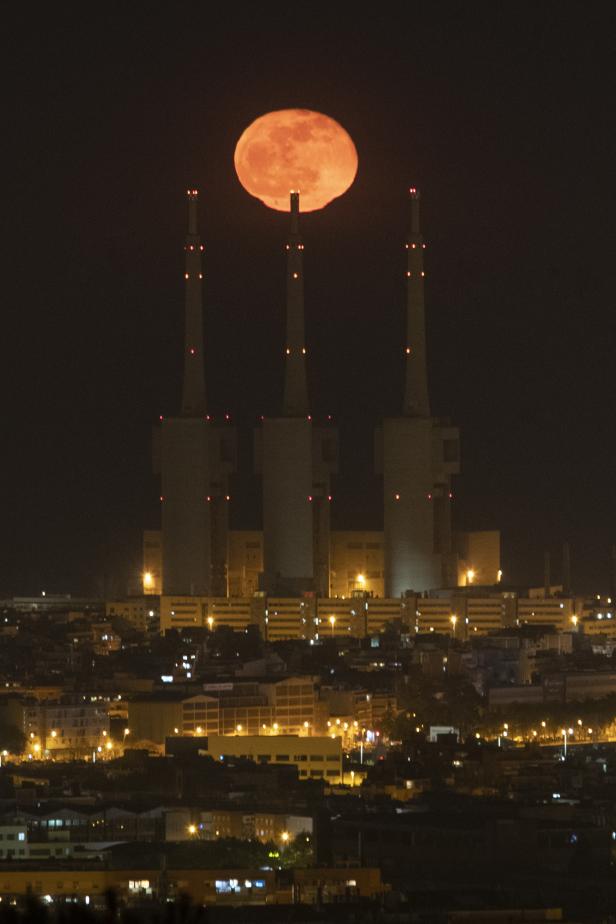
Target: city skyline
point(511, 174)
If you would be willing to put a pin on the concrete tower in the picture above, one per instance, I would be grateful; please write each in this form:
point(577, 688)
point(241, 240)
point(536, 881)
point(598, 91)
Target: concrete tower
point(195, 457)
point(417, 455)
point(295, 459)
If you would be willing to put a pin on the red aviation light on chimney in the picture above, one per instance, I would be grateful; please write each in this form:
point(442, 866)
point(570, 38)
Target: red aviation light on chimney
point(413, 191)
point(161, 417)
point(208, 498)
point(161, 498)
point(310, 498)
point(227, 497)
point(396, 497)
point(192, 351)
point(227, 416)
point(329, 497)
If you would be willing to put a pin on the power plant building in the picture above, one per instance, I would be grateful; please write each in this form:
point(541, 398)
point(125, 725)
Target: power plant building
point(282, 577)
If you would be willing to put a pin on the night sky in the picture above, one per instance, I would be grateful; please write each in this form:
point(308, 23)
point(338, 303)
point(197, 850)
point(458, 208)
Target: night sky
point(501, 113)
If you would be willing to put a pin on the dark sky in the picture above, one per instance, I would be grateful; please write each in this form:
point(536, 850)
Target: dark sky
point(501, 113)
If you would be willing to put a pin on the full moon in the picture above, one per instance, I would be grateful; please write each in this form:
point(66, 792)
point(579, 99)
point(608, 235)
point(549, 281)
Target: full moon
point(295, 149)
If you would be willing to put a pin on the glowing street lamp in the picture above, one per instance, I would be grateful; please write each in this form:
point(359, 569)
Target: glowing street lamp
point(470, 576)
point(210, 622)
point(453, 620)
point(332, 622)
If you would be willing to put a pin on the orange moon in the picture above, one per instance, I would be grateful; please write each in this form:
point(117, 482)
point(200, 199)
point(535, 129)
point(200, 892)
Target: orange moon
point(295, 149)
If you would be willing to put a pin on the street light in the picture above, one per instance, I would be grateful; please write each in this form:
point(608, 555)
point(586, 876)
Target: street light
point(564, 734)
point(332, 622)
point(453, 620)
point(285, 837)
point(210, 622)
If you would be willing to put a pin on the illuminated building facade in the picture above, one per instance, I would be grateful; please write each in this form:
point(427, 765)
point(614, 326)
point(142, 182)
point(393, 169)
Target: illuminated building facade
point(357, 561)
point(282, 707)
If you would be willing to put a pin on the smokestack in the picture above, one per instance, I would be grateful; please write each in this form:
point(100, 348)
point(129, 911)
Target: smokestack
point(193, 387)
point(416, 403)
point(295, 400)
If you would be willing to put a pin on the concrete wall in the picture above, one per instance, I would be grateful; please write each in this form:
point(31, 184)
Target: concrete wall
point(185, 508)
point(287, 508)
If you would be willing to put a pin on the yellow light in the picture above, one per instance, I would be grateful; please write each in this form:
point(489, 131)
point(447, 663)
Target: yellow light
point(175, 731)
point(361, 578)
point(198, 729)
point(126, 731)
point(210, 622)
point(574, 620)
point(453, 620)
point(36, 747)
point(109, 745)
point(275, 726)
point(238, 728)
point(148, 579)
point(54, 733)
point(332, 620)
point(543, 724)
point(285, 837)
point(470, 576)
point(192, 829)
point(499, 576)
point(306, 724)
